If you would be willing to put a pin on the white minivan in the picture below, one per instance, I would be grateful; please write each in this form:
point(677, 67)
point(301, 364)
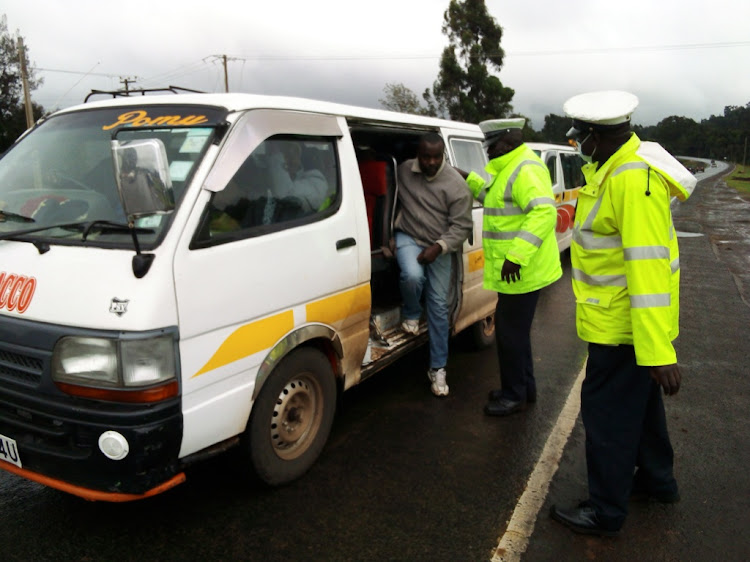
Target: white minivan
point(168, 291)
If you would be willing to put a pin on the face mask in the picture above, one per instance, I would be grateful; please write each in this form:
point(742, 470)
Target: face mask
point(588, 158)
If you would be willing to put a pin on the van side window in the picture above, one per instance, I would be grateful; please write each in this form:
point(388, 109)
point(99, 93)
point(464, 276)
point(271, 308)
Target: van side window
point(572, 174)
point(286, 181)
point(552, 167)
point(470, 156)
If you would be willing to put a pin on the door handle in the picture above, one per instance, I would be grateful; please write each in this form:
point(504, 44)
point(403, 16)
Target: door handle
point(345, 243)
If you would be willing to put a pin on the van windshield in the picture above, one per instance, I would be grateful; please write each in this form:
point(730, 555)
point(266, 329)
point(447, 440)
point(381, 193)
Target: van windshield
point(62, 172)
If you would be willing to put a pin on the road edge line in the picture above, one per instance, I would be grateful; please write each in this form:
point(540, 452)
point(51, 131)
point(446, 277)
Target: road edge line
point(515, 540)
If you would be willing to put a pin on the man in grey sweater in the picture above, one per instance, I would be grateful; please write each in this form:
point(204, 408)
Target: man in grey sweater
point(433, 220)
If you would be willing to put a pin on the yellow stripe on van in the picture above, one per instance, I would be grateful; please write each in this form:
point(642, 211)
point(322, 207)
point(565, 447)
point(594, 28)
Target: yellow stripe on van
point(568, 195)
point(250, 338)
point(338, 307)
point(476, 260)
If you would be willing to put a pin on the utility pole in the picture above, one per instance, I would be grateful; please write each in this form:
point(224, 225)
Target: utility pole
point(127, 82)
point(224, 59)
point(25, 81)
point(226, 76)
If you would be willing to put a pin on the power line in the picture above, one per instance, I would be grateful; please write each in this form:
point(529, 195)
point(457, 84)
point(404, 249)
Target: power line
point(725, 44)
point(194, 67)
point(636, 49)
point(77, 72)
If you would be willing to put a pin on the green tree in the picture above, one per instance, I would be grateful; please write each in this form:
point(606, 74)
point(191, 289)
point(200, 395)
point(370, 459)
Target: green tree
point(464, 87)
point(400, 98)
point(679, 135)
point(555, 128)
point(12, 110)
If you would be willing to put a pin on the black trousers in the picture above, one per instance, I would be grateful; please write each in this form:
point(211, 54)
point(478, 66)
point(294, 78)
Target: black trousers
point(623, 414)
point(513, 317)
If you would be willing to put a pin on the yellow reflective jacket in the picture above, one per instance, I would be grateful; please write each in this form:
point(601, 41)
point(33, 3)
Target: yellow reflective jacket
point(626, 268)
point(519, 221)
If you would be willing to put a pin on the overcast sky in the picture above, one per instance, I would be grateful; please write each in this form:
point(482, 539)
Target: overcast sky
point(679, 57)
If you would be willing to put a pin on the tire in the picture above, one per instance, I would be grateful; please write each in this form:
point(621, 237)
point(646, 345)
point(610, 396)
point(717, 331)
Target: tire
point(291, 418)
point(483, 332)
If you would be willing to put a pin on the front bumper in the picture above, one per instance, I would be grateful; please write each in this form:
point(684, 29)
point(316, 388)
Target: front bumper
point(57, 435)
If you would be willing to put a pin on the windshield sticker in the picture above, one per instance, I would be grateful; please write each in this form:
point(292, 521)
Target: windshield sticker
point(141, 118)
point(179, 169)
point(194, 143)
point(16, 291)
point(152, 221)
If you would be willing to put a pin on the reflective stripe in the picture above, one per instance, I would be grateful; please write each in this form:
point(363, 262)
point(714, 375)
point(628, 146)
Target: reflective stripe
point(530, 238)
point(630, 166)
point(600, 280)
point(522, 234)
point(588, 241)
point(537, 202)
point(502, 212)
point(649, 301)
point(508, 196)
point(499, 235)
point(646, 253)
point(675, 265)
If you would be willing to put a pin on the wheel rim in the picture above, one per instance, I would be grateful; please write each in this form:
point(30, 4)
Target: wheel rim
point(296, 417)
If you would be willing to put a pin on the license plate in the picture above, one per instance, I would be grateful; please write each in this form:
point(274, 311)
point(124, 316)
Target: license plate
point(9, 451)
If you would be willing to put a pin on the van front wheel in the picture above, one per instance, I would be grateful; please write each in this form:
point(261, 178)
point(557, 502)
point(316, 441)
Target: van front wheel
point(483, 332)
point(292, 417)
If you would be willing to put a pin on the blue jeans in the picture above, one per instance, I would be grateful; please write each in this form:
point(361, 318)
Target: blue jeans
point(432, 279)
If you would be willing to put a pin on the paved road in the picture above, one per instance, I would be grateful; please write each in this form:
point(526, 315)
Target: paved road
point(407, 476)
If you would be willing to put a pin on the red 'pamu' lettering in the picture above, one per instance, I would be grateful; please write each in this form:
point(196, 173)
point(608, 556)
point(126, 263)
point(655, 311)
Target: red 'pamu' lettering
point(16, 291)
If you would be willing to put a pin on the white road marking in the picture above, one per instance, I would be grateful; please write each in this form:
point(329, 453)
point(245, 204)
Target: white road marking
point(515, 540)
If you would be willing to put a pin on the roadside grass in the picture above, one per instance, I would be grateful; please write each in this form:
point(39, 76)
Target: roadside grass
point(739, 179)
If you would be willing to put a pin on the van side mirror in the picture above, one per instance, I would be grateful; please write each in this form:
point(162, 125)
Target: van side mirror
point(142, 177)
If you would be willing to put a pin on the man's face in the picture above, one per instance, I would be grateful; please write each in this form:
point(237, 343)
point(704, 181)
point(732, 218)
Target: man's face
point(498, 148)
point(430, 157)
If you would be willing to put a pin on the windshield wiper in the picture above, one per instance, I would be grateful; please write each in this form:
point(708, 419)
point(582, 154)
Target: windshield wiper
point(84, 226)
point(7, 215)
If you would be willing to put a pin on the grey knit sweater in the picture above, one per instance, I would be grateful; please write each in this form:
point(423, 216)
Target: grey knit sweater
point(436, 209)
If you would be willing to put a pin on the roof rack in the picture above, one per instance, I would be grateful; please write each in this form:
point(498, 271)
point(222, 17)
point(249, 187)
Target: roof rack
point(139, 91)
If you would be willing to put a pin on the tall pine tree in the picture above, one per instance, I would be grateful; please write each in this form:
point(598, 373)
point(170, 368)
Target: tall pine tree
point(465, 88)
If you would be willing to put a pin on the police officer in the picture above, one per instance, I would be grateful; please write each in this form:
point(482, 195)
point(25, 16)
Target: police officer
point(521, 253)
point(625, 268)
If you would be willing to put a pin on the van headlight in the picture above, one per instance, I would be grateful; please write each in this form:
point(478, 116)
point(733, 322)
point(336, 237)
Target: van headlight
point(116, 369)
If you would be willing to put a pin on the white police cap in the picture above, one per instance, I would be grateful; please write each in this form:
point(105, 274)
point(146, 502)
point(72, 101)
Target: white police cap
point(496, 127)
point(608, 107)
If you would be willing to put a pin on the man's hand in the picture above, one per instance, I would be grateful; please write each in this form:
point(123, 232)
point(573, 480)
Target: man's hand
point(430, 254)
point(668, 377)
point(511, 272)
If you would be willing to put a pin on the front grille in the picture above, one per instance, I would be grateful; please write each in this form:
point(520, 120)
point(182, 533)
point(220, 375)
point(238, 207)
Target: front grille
point(20, 368)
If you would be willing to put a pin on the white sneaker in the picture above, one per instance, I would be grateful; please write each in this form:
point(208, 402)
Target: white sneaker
point(410, 326)
point(439, 386)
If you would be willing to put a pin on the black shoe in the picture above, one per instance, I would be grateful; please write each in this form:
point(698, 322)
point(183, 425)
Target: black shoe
point(583, 520)
point(495, 395)
point(503, 407)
